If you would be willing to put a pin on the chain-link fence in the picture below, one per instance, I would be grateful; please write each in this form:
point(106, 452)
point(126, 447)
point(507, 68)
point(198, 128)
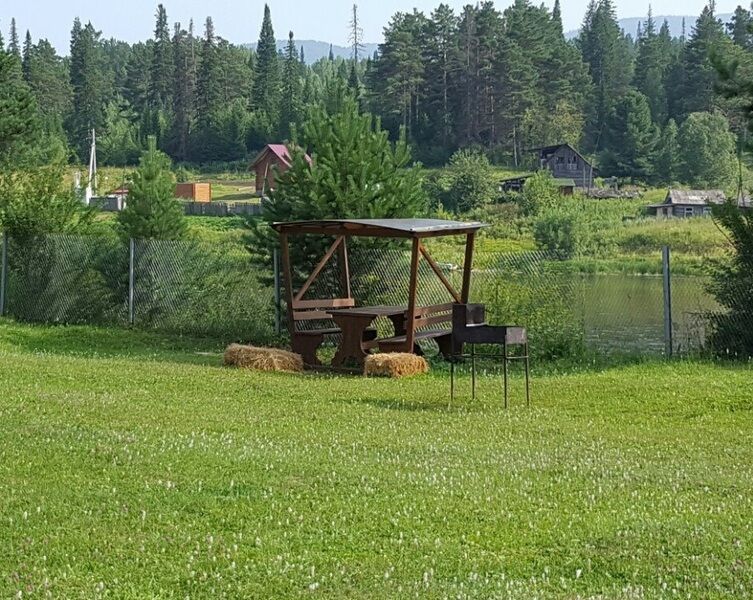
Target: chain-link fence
point(218, 290)
point(184, 287)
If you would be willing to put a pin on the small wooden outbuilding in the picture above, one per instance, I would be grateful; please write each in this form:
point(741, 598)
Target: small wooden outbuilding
point(272, 157)
point(198, 192)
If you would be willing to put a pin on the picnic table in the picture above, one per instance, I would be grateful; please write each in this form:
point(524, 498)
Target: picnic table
point(354, 323)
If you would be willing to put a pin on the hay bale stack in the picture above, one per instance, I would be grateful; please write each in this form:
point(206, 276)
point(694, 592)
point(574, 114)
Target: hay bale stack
point(395, 365)
point(262, 359)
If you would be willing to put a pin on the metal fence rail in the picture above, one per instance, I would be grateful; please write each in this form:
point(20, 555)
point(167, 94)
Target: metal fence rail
point(218, 290)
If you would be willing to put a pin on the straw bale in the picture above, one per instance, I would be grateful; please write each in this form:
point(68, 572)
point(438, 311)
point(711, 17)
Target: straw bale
point(395, 365)
point(262, 359)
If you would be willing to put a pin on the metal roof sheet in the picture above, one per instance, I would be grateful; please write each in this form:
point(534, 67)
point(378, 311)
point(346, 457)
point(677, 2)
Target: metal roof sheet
point(367, 227)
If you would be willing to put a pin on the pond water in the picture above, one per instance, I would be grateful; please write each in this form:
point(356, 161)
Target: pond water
point(625, 313)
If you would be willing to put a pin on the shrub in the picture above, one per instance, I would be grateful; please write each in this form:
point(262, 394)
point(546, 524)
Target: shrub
point(468, 181)
point(539, 193)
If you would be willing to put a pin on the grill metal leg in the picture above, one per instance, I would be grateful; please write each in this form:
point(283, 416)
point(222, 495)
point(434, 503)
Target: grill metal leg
point(528, 376)
point(504, 368)
point(473, 372)
point(452, 379)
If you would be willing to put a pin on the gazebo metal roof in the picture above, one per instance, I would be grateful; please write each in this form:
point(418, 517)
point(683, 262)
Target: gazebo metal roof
point(396, 228)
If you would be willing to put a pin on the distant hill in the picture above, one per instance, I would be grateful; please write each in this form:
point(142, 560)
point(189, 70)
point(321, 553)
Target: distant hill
point(630, 24)
point(314, 50)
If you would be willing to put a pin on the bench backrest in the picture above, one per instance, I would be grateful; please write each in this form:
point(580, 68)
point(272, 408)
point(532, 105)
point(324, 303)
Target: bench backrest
point(437, 314)
point(315, 310)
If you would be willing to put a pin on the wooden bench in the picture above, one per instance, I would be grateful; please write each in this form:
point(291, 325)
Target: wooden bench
point(437, 320)
point(307, 341)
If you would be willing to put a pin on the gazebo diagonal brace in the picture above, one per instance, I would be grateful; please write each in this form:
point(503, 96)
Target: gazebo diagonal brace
point(318, 269)
point(438, 271)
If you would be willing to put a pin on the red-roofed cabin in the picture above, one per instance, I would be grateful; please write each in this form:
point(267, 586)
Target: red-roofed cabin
point(273, 155)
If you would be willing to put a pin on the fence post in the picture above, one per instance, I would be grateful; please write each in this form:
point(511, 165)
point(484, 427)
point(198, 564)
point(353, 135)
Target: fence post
point(278, 302)
point(131, 281)
point(3, 273)
point(668, 343)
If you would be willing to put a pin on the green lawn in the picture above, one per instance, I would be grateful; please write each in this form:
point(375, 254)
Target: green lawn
point(133, 465)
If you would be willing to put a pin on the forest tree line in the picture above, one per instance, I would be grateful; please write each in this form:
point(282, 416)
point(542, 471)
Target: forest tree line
point(645, 105)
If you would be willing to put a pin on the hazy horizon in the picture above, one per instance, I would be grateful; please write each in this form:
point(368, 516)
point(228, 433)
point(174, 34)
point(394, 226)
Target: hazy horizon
point(239, 22)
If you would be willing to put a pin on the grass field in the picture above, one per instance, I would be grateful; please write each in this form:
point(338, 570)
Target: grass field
point(134, 466)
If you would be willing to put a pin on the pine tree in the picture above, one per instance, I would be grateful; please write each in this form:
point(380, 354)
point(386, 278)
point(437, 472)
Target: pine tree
point(302, 58)
point(441, 67)
point(331, 56)
point(290, 108)
point(152, 212)
point(356, 35)
point(265, 95)
point(630, 139)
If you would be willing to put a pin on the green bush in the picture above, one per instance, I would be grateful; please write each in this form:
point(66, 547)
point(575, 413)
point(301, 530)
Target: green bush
point(468, 182)
point(539, 193)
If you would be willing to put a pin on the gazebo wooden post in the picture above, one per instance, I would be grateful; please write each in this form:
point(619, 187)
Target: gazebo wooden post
point(286, 273)
point(467, 268)
point(410, 329)
point(344, 269)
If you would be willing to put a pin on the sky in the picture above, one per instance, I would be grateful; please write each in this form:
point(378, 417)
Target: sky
point(239, 21)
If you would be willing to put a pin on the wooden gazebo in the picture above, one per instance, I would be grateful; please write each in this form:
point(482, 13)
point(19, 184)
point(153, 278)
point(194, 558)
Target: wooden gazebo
point(411, 321)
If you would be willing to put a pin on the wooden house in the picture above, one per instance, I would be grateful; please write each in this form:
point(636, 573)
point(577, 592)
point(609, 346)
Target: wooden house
point(692, 203)
point(273, 156)
point(565, 162)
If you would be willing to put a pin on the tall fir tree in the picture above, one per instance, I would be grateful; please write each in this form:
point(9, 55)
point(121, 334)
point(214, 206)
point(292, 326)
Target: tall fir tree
point(162, 67)
point(290, 108)
point(26, 57)
point(88, 82)
point(607, 53)
point(14, 44)
point(667, 153)
point(630, 139)
point(740, 28)
point(696, 91)
point(265, 95)
point(184, 95)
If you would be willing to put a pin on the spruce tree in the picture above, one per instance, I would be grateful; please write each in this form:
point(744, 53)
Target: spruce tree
point(606, 51)
point(356, 172)
point(162, 67)
point(18, 112)
point(740, 28)
point(14, 44)
point(151, 211)
point(184, 96)
point(699, 76)
point(265, 95)
point(290, 108)
point(26, 57)
point(667, 156)
point(88, 82)
point(331, 56)
point(630, 139)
